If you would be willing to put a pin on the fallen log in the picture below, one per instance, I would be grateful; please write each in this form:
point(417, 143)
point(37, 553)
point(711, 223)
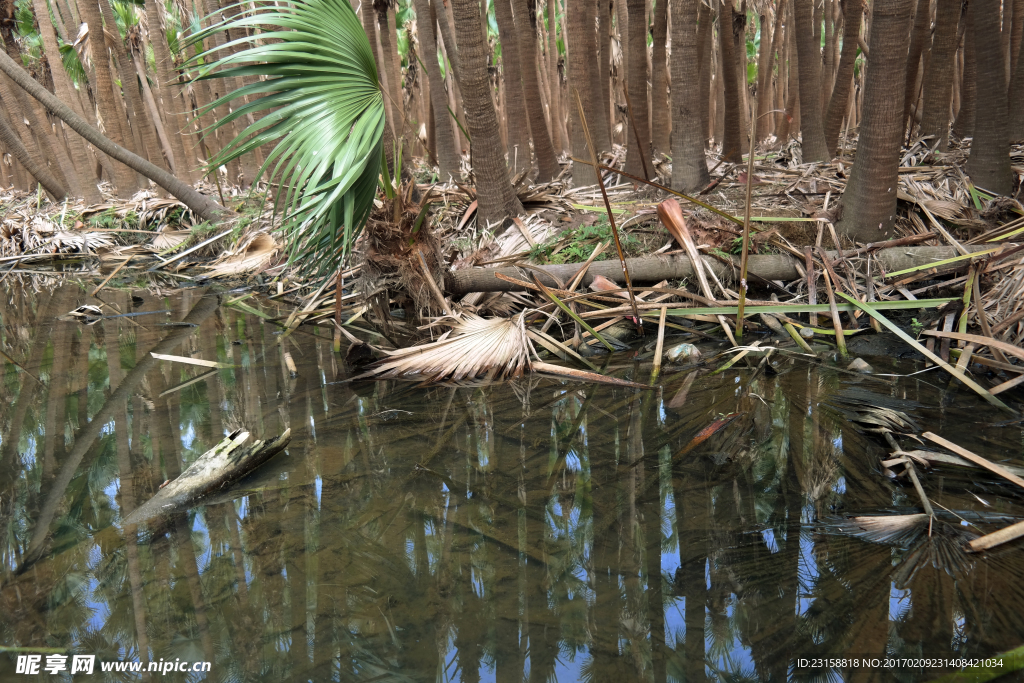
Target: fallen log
point(221, 466)
point(657, 268)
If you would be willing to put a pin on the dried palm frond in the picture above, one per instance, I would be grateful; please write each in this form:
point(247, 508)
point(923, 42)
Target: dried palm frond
point(492, 347)
point(870, 410)
point(169, 239)
point(929, 541)
point(251, 258)
point(896, 530)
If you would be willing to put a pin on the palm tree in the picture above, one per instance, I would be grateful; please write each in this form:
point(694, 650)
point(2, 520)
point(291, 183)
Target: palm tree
point(809, 64)
point(31, 163)
point(938, 72)
point(732, 48)
point(689, 168)
point(202, 205)
point(869, 203)
point(989, 163)
point(526, 30)
point(638, 136)
point(497, 200)
point(104, 93)
point(447, 154)
point(83, 184)
point(838, 105)
point(963, 125)
point(580, 38)
point(516, 120)
point(661, 119)
point(1016, 103)
point(172, 104)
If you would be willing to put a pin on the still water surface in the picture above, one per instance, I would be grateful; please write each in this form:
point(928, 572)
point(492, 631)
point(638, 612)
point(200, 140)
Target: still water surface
point(531, 530)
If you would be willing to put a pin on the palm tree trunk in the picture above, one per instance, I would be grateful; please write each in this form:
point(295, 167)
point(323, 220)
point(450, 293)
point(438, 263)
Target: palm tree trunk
point(869, 203)
point(918, 35)
point(146, 141)
point(33, 148)
point(547, 164)
point(661, 121)
point(1017, 99)
point(704, 50)
point(840, 100)
point(765, 66)
point(580, 46)
point(599, 121)
point(718, 130)
point(39, 172)
point(251, 162)
point(828, 52)
point(83, 184)
point(638, 152)
point(57, 156)
point(604, 99)
point(444, 138)
point(963, 125)
point(240, 171)
point(153, 111)
point(989, 163)
point(496, 198)
point(203, 206)
point(104, 93)
point(689, 167)
point(554, 82)
point(809, 63)
point(730, 38)
point(516, 121)
point(938, 72)
point(392, 77)
point(171, 106)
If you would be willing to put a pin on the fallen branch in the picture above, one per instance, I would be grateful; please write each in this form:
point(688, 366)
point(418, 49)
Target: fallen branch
point(224, 464)
point(678, 267)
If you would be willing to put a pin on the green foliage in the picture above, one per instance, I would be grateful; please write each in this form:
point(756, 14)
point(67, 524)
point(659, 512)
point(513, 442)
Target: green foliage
point(172, 25)
point(322, 104)
point(25, 27)
point(125, 16)
point(24, 19)
point(72, 64)
point(106, 220)
point(581, 244)
point(916, 327)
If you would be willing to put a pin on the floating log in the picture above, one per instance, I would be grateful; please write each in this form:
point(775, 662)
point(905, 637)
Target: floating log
point(222, 465)
point(657, 268)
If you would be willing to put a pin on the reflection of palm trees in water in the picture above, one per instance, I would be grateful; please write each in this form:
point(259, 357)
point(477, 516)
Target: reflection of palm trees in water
point(450, 532)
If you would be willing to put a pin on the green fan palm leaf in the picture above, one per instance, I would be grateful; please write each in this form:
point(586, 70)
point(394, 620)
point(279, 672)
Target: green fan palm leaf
point(321, 102)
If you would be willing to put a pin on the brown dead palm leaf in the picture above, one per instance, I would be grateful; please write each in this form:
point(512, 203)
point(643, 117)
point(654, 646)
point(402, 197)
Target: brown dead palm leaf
point(475, 346)
point(169, 239)
point(253, 257)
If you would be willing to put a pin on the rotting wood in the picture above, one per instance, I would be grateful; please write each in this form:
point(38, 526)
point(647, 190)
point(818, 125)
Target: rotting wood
point(217, 468)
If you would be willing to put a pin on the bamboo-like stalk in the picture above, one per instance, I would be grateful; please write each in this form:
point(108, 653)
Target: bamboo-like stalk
point(608, 208)
point(840, 338)
point(661, 344)
point(746, 230)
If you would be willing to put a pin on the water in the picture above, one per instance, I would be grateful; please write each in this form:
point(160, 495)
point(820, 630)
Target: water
point(535, 529)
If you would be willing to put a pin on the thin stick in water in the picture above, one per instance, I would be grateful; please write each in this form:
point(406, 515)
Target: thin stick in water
point(746, 229)
point(660, 345)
